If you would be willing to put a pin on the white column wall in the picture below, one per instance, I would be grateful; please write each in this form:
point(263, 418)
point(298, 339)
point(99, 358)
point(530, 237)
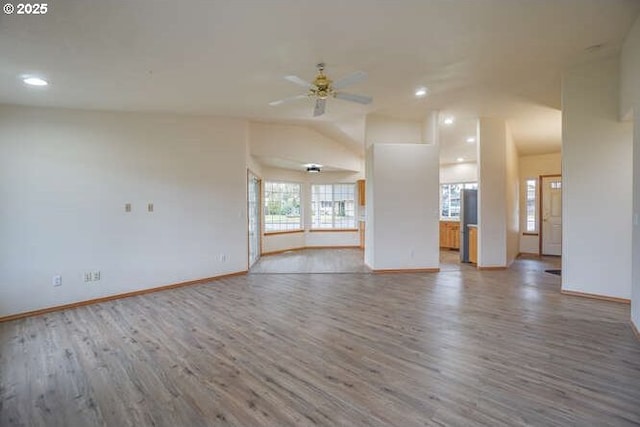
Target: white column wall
point(492, 191)
point(404, 183)
point(511, 198)
point(597, 183)
point(630, 104)
point(402, 173)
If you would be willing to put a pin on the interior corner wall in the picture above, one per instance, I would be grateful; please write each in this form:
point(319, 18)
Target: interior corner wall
point(635, 245)
point(630, 102)
point(458, 172)
point(301, 144)
point(511, 198)
point(403, 182)
point(492, 191)
point(369, 214)
point(597, 182)
point(65, 177)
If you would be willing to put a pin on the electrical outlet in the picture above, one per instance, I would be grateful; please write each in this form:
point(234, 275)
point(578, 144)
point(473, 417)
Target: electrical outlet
point(95, 276)
point(127, 207)
point(223, 257)
point(150, 207)
point(57, 281)
point(87, 276)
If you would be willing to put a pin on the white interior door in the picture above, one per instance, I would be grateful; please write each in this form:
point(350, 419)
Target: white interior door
point(551, 215)
point(253, 208)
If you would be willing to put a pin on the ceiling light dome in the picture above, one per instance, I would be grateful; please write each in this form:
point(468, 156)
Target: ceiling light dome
point(35, 81)
point(421, 92)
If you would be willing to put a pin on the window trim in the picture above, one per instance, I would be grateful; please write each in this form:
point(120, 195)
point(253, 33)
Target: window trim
point(333, 230)
point(300, 228)
point(355, 208)
point(536, 210)
point(273, 233)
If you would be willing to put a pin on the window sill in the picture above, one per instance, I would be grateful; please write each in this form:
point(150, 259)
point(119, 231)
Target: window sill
point(333, 230)
point(530, 234)
point(273, 233)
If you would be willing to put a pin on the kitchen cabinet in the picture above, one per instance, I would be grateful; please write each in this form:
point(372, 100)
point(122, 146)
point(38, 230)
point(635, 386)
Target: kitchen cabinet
point(473, 243)
point(450, 234)
point(361, 189)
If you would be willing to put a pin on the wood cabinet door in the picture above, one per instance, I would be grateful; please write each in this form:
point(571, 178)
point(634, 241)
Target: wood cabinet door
point(473, 245)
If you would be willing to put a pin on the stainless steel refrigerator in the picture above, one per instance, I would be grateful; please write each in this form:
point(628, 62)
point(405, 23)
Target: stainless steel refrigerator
point(468, 215)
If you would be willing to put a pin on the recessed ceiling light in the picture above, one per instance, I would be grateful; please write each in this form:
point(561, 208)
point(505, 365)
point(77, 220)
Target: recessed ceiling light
point(310, 165)
point(448, 120)
point(471, 140)
point(35, 81)
point(421, 92)
point(460, 159)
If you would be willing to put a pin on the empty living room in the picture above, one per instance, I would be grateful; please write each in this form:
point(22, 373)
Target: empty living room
point(336, 213)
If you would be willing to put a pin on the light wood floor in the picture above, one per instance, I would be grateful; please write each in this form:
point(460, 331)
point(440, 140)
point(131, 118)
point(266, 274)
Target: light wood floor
point(346, 260)
point(456, 348)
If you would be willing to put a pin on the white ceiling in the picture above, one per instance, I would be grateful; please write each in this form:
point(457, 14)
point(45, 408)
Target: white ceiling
point(500, 58)
point(453, 140)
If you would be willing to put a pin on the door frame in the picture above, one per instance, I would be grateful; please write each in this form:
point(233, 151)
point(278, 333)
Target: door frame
point(540, 199)
point(260, 225)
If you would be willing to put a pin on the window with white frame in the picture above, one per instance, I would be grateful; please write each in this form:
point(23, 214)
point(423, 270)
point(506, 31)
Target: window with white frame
point(333, 206)
point(531, 205)
point(282, 207)
point(450, 199)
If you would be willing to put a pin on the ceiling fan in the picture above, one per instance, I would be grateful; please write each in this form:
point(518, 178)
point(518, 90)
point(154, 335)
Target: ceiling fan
point(322, 88)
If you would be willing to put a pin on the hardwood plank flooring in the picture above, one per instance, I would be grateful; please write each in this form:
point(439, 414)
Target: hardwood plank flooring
point(310, 260)
point(498, 348)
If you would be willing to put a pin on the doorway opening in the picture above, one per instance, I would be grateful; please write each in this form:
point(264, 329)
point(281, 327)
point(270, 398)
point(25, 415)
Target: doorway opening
point(254, 215)
point(551, 215)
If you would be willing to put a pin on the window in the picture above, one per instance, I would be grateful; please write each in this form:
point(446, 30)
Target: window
point(282, 207)
point(333, 206)
point(531, 205)
point(450, 199)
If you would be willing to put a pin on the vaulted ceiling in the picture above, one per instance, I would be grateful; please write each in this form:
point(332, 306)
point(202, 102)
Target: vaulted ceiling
point(500, 58)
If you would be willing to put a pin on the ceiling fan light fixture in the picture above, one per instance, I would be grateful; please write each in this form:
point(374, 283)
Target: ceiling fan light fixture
point(323, 88)
point(313, 168)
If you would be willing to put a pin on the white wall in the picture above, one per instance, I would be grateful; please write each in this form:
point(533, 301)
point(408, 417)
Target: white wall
point(388, 130)
point(308, 238)
point(402, 206)
point(531, 167)
point(512, 204)
point(458, 172)
point(65, 177)
point(630, 71)
point(597, 183)
point(492, 190)
point(630, 102)
point(300, 144)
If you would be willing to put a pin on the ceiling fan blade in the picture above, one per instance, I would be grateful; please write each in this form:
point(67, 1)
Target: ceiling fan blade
point(360, 99)
point(321, 105)
point(301, 82)
point(353, 78)
point(292, 98)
